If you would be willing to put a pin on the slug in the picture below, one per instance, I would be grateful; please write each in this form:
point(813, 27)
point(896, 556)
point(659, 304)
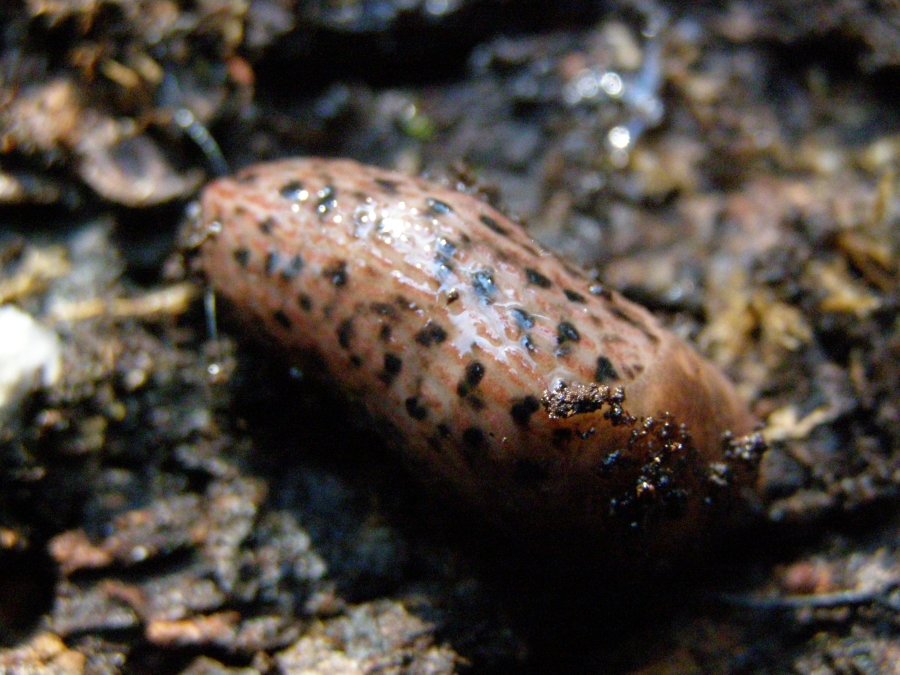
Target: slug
point(535, 397)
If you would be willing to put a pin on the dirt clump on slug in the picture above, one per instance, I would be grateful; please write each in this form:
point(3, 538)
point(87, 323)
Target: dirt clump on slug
point(174, 503)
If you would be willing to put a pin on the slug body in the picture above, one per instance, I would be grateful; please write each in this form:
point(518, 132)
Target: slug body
point(536, 396)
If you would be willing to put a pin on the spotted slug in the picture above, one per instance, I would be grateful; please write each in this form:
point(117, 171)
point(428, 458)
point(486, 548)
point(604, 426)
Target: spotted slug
point(511, 381)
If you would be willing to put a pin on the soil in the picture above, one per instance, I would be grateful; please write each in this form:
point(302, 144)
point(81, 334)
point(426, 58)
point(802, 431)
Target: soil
point(173, 498)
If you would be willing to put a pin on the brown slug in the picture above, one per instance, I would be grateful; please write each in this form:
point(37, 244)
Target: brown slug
point(536, 397)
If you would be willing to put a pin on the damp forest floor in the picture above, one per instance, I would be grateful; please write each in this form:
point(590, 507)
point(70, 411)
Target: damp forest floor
point(173, 501)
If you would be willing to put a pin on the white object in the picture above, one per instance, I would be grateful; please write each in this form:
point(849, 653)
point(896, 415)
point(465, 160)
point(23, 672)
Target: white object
point(30, 357)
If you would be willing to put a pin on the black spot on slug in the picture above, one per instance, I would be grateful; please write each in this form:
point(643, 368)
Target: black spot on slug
point(473, 450)
point(475, 402)
point(443, 255)
point(345, 333)
point(384, 309)
point(327, 200)
point(415, 409)
point(474, 374)
point(337, 273)
point(432, 333)
point(537, 279)
point(600, 291)
point(389, 186)
point(442, 271)
point(385, 333)
point(566, 332)
point(445, 250)
point(305, 302)
point(523, 319)
point(522, 410)
point(605, 372)
point(493, 225)
point(619, 313)
point(472, 378)
point(283, 319)
point(266, 225)
point(438, 208)
point(293, 191)
point(443, 430)
point(242, 257)
point(293, 268)
point(404, 303)
point(392, 366)
point(574, 297)
point(483, 283)
point(276, 263)
point(272, 262)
